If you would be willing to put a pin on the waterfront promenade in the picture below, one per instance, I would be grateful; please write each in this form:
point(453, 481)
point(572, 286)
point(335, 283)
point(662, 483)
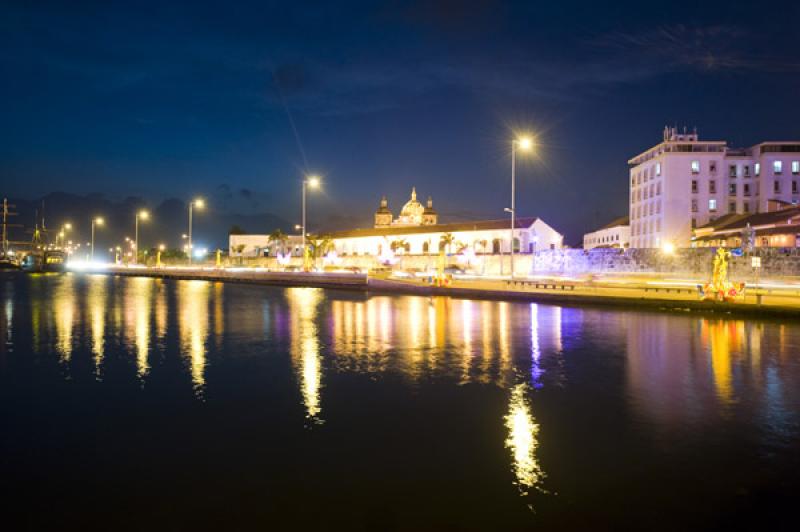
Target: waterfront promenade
point(771, 298)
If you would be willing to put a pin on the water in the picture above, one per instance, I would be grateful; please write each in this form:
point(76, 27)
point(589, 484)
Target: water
point(147, 404)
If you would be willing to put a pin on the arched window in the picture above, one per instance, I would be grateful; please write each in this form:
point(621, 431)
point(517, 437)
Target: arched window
point(496, 246)
point(516, 245)
point(425, 247)
point(442, 245)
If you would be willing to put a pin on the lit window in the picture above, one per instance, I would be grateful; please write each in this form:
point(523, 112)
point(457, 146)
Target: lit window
point(777, 166)
point(796, 167)
point(712, 205)
point(757, 168)
point(658, 167)
point(695, 167)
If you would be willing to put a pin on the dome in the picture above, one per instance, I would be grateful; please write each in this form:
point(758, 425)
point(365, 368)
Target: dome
point(413, 209)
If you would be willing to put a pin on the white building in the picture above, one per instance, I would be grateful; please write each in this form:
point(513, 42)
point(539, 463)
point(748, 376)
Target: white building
point(683, 183)
point(263, 246)
point(616, 234)
point(416, 231)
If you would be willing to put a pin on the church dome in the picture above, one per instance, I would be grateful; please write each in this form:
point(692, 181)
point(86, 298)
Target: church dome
point(413, 209)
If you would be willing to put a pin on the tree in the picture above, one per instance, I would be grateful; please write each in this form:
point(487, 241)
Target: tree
point(447, 241)
point(236, 230)
point(278, 238)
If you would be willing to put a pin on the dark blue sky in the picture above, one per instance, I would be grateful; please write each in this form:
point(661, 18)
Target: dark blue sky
point(172, 100)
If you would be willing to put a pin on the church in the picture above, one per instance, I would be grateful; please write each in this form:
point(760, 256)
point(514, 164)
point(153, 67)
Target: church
point(416, 230)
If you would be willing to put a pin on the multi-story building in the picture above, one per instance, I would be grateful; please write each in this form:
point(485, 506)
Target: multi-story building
point(683, 183)
point(616, 234)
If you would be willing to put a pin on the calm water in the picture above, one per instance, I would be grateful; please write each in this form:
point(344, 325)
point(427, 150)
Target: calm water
point(147, 404)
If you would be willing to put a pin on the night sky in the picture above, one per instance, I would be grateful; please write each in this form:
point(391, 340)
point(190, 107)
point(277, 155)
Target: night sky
point(235, 101)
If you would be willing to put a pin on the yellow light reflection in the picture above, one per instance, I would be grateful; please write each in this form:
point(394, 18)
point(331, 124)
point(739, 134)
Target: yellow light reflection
point(193, 324)
point(64, 311)
point(96, 301)
point(522, 440)
point(138, 303)
point(303, 303)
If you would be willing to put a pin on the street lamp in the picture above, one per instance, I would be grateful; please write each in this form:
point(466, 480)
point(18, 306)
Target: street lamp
point(95, 221)
point(309, 182)
point(524, 144)
point(140, 215)
point(198, 203)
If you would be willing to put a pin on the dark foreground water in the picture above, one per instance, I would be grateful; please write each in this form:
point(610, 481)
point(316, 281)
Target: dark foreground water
point(155, 405)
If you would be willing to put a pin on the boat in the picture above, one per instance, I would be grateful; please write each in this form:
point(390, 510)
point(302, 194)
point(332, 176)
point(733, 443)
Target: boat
point(54, 260)
point(32, 262)
point(8, 259)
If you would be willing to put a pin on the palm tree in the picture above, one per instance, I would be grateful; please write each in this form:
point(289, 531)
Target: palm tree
point(447, 241)
point(400, 243)
point(279, 238)
point(326, 244)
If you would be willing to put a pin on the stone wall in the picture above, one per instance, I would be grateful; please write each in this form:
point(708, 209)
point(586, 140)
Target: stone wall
point(696, 263)
point(775, 262)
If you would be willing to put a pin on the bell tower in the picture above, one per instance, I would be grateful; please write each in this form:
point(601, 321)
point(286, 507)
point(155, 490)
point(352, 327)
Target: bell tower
point(383, 216)
point(429, 216)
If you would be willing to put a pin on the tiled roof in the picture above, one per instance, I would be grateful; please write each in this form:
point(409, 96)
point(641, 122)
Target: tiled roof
point(731, 222)
point(480, 225)
point(622, 220)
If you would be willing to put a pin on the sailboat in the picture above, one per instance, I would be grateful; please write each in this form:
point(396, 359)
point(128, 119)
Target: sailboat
point(8, 259)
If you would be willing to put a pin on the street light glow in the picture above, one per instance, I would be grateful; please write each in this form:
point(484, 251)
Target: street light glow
point(313, 181)
point(668, 248)
point(144, 215)
point(199, 203)
point(68, 226)
point(99, 220)
point(525, 143)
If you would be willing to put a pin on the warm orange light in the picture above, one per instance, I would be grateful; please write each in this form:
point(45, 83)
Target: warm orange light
point(313, 181)
point(99, 221)
point(144, 215)
point(199, 203)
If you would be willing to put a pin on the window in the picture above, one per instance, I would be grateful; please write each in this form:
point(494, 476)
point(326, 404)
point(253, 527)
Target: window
point(694, 205)
point(712, 187)
point(712, 205)
point(712, 166)
point(732, 170)
point(732, 207)
point(746, 189)
point(732, 189)
point(694, 223)
point(757, 168)
point(425, 247)
point(794, 187)
point(777, 166)
point(695, 167)
point(694, 186)
point(746, 206)
point(796, 167)
point(777, 187)
point(658, 188)
point(658, 168)
point(747, 170)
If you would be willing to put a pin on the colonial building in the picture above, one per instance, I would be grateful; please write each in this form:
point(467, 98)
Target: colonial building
point(416, 231)
point(778, 228)
point(616, 234)
point(683, 183)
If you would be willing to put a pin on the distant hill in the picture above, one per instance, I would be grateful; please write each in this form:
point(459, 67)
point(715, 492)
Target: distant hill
point(168, 221)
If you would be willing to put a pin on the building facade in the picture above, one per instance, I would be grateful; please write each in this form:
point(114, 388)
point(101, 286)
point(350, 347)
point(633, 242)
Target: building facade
point(778, 228)
point(683, 183)
point(616, 234)
point(415, 231)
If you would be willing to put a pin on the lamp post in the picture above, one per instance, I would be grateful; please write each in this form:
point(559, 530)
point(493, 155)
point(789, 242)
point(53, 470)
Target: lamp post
point(143, 215)
point(199, 203)
point(95, 221)
point(312, 182)
point(524, 144)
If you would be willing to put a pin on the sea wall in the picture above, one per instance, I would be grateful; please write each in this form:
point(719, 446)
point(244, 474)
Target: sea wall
point(775, 262)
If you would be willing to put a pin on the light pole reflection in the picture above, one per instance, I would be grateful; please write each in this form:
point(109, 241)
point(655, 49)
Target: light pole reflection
point(303, 303)
point(522, 440)
point(193, 322)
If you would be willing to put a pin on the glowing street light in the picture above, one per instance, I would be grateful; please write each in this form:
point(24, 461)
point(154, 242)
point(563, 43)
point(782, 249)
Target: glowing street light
point(95, 221)
point(309, 182)
point(140, 215)
point(524, 144)
point(199, 204)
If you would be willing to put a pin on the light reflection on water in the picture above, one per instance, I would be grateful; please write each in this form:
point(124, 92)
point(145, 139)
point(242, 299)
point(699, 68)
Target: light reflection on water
point(676, 371)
